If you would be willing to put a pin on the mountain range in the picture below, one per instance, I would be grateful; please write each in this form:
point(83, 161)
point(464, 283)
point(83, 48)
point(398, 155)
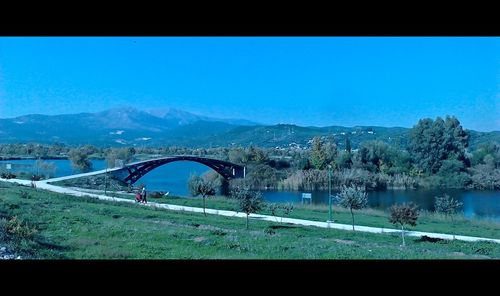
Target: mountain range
point(172, 127)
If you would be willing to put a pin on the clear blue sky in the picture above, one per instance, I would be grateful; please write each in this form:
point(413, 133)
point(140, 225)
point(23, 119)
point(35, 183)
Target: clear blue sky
point(384, 81)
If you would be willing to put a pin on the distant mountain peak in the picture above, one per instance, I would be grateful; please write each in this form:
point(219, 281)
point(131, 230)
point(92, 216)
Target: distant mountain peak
point(182, 117)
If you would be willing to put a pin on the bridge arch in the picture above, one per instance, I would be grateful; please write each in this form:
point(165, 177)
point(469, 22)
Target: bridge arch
point(132, 172)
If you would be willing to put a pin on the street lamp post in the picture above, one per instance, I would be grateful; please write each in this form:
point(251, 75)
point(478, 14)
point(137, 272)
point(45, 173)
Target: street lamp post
point(329, 194)
point(38, 165)
point(106, 180)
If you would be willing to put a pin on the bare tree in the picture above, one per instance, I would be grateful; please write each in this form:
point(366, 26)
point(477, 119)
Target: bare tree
point(287, 209)
point(447, 206)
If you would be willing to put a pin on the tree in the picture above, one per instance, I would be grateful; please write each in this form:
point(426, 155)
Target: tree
point(432, 142)
point(287, 209)
point(343, 160)
point(89, 149)
point(447, 206)
point(331, 152)
point(274, 207)
point(198, 185)
point(318, 155)
point(238, 155)
point(347, 145)
point(79, 160)
point(124, 154)
point(46, 168)
point(375, 155)
point(488, 154)
point(353, 198)
point(248, 201)
point(257, 155)
point(405, 214)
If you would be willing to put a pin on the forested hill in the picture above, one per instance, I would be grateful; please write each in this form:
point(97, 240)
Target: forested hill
point(132, 127)
point(284, 135)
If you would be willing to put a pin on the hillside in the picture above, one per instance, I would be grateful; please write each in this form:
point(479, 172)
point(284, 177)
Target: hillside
point(171, 127)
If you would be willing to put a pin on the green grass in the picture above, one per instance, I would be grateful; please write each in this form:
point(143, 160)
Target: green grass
point(428, 221)
point(81, 228)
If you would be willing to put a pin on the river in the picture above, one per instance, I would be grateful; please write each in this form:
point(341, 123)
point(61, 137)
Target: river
point(173, 177)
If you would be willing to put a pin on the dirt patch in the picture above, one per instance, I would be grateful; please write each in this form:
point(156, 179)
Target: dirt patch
point(343, 241)
point(215, 229)
point(199, 239)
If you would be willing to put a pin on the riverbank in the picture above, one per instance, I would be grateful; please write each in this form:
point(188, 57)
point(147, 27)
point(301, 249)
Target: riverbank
point(79, 227)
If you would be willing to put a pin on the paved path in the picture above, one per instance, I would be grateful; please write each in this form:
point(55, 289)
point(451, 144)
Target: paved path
point(44, 185)
point(79, 175)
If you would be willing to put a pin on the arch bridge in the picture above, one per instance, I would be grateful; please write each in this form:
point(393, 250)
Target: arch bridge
point(132, 172)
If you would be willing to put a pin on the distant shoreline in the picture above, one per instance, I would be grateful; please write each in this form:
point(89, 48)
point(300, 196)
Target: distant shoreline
point(31, 158)
point(35, 158)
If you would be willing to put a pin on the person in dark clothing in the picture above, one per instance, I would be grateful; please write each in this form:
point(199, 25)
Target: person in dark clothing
point(144, 193)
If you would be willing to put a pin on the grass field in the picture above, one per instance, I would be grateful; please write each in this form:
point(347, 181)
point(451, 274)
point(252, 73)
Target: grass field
point(50, 226)
point(428, 221)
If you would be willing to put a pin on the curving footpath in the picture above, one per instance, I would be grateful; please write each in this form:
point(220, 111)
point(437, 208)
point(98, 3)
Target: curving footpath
point(45, 185)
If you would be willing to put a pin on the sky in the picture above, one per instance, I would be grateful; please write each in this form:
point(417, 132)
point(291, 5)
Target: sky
point(308, 81)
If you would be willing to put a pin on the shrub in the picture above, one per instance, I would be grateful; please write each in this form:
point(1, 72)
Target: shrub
point(8, 175)
point(157, 194)
point(19, 229)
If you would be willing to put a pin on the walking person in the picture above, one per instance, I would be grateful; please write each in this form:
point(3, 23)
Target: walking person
point(33, 184)
point(144, 193)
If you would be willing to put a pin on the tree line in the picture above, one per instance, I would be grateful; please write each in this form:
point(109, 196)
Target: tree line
point(437, 155)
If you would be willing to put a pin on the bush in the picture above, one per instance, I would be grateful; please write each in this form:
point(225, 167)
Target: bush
point(156, 194)
point(8, 175)
point(484, 177)
point(355, 177)
point(306, 180)
point(19, 229)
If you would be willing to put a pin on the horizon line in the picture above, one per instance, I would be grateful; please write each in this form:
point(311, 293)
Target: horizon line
point(224, 118)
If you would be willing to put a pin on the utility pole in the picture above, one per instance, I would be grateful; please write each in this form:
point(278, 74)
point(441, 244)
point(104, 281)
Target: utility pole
point(106, 180)
point(329, 194)
point(38, 165)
